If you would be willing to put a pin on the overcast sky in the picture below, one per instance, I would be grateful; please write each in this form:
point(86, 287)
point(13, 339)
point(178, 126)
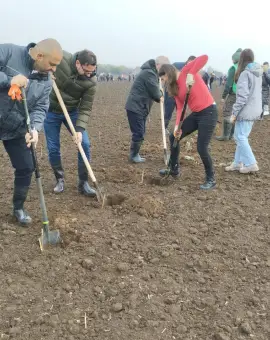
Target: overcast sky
point(124, 32)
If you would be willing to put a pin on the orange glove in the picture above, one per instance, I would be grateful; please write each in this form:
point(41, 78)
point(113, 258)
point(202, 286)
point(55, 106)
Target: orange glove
point(15, 93)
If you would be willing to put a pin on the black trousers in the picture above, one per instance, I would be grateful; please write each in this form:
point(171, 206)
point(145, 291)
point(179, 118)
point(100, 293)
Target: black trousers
point(137, 124)
point(21, 159)
point(205, 122)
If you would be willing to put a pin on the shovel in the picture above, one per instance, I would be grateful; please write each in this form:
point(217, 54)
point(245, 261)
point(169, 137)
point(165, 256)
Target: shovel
point(47, 237)
point(73, 131)
point(165, 151)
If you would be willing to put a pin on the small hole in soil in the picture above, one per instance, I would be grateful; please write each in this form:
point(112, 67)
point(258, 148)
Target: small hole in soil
point(116, 199)
point(156, 181)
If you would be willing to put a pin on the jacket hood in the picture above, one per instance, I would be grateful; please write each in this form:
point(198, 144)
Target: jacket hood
point(179, 65)
point(236, 55)
point(150, 64)
point(255, 68)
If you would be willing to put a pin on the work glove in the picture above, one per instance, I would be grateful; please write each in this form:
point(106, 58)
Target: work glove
point(15, 93)
point(19, 80)
point(189, 80)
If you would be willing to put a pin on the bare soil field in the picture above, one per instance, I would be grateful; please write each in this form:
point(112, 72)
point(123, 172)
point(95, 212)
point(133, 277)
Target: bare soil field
point(161, 260)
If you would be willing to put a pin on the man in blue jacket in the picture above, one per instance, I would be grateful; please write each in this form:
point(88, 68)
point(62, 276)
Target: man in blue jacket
point(26, 67)
point(169, 102)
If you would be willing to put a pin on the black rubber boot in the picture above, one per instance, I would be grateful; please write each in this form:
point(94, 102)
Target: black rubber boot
point(226, 131)
point(172, 171)
point(83, 186)
point(19, 197)
point(60, 182)
point(134, 155)
point(209, 183)
point(174, 168)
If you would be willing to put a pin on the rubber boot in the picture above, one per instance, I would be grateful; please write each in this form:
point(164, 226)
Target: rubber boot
point(174, 168)
point(19, 197)
point(134, 155)
point(172, 171)
point(60, 182)
point(83, 186)
point(227, 126)
point(209, 183)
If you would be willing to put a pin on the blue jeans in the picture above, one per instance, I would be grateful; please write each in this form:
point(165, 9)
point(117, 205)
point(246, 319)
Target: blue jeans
point(169, 103)
point(243, 153)
point(52, 127)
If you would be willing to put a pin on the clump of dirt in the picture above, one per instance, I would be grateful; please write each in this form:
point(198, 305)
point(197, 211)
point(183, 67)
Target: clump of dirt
point(145, 206)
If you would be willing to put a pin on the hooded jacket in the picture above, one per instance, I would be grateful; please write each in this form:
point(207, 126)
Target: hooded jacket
point(248, 105)
point(77, 91)
point(144, 90)
point(16, 60)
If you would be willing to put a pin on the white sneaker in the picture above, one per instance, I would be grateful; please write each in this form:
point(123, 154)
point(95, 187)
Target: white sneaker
point(249, 169)
point(234, 167)
point(266, 113)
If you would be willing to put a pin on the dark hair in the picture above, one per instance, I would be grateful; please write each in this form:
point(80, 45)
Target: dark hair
point(87, 57)
point(192, 57)
point(246, 57)
point(171, 85)
point(266, 63)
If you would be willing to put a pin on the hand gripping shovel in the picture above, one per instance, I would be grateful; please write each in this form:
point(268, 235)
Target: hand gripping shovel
point(47, 237)
point(177, 140)
point(165, 151)
point(72, 129)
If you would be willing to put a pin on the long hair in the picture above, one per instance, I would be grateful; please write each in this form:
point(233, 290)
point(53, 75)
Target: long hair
point(246, 57)
point(171, 84)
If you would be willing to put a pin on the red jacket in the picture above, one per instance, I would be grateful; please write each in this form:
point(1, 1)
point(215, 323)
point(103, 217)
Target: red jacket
point(200, 97)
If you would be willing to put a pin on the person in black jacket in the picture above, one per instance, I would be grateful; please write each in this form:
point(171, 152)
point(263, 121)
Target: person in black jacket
point(27, 67)
point(144, 91)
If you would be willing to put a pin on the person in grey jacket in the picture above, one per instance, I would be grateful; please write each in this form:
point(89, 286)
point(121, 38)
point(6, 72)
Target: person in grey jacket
point(265, 88)
point(26, 67)
point(246, 110)
point(144, 91)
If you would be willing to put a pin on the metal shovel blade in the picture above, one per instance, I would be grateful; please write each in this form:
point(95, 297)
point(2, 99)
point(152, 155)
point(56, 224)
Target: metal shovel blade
point(49, 238)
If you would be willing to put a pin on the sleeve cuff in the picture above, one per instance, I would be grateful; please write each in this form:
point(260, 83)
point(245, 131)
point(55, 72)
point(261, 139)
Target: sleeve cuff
point(79, 129)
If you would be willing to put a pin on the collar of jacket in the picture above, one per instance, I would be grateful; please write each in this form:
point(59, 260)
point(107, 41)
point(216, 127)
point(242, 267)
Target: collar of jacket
point(30, 61)
point(73, 64)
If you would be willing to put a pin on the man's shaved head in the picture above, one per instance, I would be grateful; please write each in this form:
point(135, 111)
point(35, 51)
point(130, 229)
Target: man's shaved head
point(161, 60)
point(47, 54)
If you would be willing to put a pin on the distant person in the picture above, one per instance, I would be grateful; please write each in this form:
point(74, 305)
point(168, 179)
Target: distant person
point(220, 81)
point(129, 77)
point(202, 119)
point(211, 80)
point(228, 99)
point(25, 67)
point(76, 79)
point(265, 88)
point(144, 91)
point(246, 110)
point(206, 78)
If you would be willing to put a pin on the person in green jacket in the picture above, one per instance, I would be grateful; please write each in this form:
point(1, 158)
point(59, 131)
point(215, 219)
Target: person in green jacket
point(76, 80)
point(229, 98)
